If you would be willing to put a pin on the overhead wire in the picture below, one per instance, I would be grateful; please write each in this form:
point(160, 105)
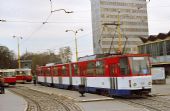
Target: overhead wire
point(51, 6)
point(67, 43)
point(39, 22)
point(39, 28)
point(71, 41)
point(46, 20)
point(43, 23)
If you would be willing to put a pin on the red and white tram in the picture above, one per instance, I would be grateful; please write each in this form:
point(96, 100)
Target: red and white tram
point(9, 76)
point(120, 75)
point(23, 75)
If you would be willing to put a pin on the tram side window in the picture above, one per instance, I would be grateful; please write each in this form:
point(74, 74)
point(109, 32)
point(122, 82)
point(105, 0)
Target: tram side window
point(23, 72)
point(47, 72)
point(5, 74)
point(124, 66)
point(38, 72)
point(91, 68)
point(64, 70)
point(8, 74)
point(55, 71)
point(99, 68)
point(76, 69)
point(1, 73)
point(42, 72)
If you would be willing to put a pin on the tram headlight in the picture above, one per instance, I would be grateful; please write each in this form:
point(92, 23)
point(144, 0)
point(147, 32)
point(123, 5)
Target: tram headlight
point(134, 84)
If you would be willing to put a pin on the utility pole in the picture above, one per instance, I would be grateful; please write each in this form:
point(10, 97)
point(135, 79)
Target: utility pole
point(18, 40)
point(75, 34)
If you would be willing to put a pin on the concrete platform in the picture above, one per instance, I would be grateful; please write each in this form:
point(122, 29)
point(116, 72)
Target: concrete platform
point(91, 102)
point(12, 102)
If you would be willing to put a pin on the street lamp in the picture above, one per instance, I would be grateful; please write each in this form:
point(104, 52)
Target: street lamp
point(19, 62)
point(75, 33)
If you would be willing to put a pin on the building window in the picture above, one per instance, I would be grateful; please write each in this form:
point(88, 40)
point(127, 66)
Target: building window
point(147, 49)
point(161, 49)
point(142, 49)
point(168, 47)
point(154, 49)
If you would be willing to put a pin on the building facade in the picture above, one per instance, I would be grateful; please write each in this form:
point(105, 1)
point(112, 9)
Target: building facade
point(131, 15)
point(159, 48)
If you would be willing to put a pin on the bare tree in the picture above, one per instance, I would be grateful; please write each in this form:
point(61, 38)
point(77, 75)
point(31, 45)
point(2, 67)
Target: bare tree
point(65, 54)
point(41, 58)
point(7, 58)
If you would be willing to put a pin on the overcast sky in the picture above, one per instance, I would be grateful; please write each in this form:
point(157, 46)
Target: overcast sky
point(25, 17)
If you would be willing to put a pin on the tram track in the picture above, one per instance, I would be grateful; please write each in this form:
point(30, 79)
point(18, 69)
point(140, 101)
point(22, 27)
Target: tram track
point(32, 105)
point(40, 101)
point(150, 103)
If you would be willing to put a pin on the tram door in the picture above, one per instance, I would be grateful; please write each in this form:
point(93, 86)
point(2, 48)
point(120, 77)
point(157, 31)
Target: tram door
point(60, 79)
point(83, 81)
point(113, 70)
point(52, 75)
point(63, 72)
point(45, 78)
point(70, 76)
point(83, 77)
point(48, 76)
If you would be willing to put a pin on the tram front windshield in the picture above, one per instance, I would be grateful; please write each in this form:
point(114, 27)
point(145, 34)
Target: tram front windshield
point(139, 65)
point(28, 72)
point(9, 74)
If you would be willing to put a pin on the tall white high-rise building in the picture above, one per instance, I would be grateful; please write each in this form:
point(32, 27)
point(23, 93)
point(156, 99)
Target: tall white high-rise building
point(109, 15)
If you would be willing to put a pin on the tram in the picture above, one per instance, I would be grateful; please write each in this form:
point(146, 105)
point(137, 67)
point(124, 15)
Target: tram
point(115, 75)
point(23, 75)
point(9, 76)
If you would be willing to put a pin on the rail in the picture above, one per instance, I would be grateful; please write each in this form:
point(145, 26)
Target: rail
point(40, 101)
